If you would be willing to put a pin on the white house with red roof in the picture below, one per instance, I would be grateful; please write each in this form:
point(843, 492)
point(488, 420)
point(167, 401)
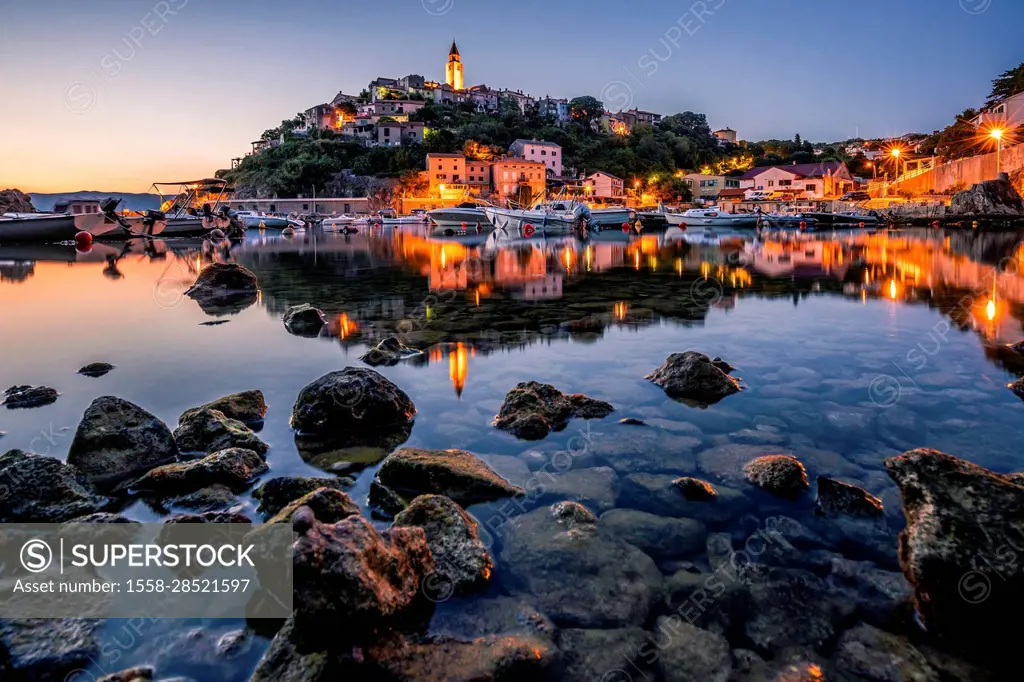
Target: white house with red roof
point(822, 180)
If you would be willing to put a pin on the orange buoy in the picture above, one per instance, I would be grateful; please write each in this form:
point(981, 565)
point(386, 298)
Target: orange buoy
point(83, 242)
point(803, 225)
point(860, 224)
point(463, 226)
point(935, 223)
point(528, 230)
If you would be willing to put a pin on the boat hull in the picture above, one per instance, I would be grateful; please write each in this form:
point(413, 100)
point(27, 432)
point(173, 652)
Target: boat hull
point(523, 222)
point(265, 223)
point(458, 218)
point(849, 219)
point(50, 229)
point(725, 220)
point(612, 216)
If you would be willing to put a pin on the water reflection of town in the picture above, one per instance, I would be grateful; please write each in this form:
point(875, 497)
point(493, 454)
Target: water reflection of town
point(458, 299)
point(478, 296)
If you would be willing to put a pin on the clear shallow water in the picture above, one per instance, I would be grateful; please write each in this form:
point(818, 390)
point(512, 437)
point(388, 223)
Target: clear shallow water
point(851, 349)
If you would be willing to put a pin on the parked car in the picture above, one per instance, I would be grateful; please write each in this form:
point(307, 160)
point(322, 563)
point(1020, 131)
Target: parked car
point(855, 196)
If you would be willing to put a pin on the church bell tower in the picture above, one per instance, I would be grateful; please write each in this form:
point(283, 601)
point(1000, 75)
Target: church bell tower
point(453, 71)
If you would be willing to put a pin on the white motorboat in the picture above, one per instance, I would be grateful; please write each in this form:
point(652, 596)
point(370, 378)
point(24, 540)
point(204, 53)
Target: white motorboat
point(462, 218)
point(712, 217)
point(613, 216)
point(555, 218)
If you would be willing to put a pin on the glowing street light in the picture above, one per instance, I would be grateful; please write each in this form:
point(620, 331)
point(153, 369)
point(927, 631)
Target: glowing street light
point(997, 135)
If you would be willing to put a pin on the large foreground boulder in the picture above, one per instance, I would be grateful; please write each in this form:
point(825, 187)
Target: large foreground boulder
point(958, 550)
point(694, 376)
point(456, 474)
point(38, 489)
point(532, 410)
point(48, 648)
point(351, 579)
point(989, 198)
point(461, 561)
point(208, 431)
point(351, 401)
point(117, 441)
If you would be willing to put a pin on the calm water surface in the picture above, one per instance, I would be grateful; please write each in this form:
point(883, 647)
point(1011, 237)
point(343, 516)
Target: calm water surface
point(855, 346)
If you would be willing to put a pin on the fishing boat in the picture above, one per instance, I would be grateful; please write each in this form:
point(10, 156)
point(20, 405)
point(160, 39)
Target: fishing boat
point(787, 219)
point(712, 217)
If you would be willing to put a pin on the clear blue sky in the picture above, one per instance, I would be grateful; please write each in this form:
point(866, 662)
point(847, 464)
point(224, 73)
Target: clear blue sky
point(113, 94)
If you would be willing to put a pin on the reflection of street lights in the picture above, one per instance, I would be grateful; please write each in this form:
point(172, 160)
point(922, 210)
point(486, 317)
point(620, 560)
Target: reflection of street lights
point(997, 135)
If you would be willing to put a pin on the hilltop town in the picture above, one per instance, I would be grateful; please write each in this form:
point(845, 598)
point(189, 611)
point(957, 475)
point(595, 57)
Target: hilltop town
point(423, 143)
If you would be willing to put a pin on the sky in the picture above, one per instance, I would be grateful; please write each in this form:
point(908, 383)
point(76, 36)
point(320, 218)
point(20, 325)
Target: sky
point(113, 95)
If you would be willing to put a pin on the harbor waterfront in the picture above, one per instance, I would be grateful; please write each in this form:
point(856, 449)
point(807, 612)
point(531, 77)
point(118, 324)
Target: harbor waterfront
point(850, 348)
point(409, 351)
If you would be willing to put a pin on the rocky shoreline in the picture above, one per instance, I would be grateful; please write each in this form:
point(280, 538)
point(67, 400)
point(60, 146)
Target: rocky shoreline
point(654, 553)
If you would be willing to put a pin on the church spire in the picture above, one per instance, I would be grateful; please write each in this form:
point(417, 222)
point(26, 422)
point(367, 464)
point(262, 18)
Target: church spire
point(454, 52)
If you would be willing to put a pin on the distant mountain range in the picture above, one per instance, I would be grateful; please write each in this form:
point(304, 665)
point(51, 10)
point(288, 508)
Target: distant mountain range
point(129, 201)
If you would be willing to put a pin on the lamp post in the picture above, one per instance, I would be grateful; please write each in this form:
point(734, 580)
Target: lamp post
point(896, 156)
point(997, 135)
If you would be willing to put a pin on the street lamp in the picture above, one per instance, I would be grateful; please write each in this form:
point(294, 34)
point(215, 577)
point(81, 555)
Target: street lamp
point(997, 135)
point(896, 156)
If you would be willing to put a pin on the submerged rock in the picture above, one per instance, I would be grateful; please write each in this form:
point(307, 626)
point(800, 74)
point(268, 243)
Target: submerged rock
point(491, 658)
point(867, 653)
point(793, 608)
point(576, 576)
point(102, 517)
point(38, 489)
point(209, 517)
point(304, 320)
point(694, 489)
point(116, 441)
point(661, 537)
point(233, 468)
point(389, 352)
point(691, 653)
point(456, 474)
point(532, 410)
point(248, 407)
point(208, 498)
point(209, 431)
point(48, 649)
point(96, 369)
point(277, 493)
point(23, 397)
point(351, 579)
point(461, 562)
point(694, 376)
point(351, 400)
point(962, 523)
point(781, 475)
point(592, 655)
point(836, 498)
point(596, 487)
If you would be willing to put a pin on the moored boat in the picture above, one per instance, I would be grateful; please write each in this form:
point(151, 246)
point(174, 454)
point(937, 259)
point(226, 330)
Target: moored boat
point(712, 217)
point(464, 217)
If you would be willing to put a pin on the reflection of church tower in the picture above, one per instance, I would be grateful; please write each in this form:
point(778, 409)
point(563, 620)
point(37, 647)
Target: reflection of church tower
point(453, 71)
